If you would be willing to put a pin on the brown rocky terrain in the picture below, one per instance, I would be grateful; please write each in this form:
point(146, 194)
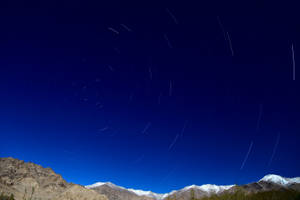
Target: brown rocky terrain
point(31, 181)
point(117, 193)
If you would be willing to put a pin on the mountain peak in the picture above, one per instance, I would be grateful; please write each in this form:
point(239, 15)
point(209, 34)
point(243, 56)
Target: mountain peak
point(207, 188)
point(135, 191)
point(97, 184)
point(210, 188)
point(147, 194)
point(273, 178)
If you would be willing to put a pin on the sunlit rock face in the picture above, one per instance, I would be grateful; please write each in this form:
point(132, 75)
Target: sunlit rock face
point(26, 180)
point(77, 192)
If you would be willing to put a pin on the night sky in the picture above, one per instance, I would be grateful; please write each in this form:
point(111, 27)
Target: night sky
point(151, 95)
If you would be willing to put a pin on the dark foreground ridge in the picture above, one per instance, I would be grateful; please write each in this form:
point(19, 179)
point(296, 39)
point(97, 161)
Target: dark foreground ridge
point(21, 180)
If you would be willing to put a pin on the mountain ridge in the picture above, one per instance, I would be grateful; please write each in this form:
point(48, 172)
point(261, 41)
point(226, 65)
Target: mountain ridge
point(208, 188)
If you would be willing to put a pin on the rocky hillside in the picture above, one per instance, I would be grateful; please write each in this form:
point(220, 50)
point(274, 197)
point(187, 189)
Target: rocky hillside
point(77, 192)
point(114, 192)
point(31, 181)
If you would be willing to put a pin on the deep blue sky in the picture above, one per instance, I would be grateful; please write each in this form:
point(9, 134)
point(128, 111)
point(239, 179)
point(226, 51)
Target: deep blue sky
point(95, 105)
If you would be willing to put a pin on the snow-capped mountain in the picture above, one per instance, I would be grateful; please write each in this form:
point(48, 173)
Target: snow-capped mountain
point(184, 193)
point(206, 189)
point(137, 192)
point(209, 188)
point(198, 191)
point(98, 184)
point(101, 186)
point(148, 194)
point(272, 178)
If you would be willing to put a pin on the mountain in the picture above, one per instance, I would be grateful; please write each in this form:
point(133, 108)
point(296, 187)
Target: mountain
point(114, 192)
point(26, 180)
point(77, 192)
point(269, 183)
point(272, 178)
point(111, 190)
point(198, 192)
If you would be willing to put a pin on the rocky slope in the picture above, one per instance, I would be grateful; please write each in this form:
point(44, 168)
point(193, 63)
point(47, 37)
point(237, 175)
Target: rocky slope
point(28, 180)
point(77, 192)
point(114, 192)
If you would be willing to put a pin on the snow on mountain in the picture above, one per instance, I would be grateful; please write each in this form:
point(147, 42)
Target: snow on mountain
point(137, 192)
point(147, 193)
point(209, 188)
point(104, 183)
point(215, 188)
point(280, 180)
